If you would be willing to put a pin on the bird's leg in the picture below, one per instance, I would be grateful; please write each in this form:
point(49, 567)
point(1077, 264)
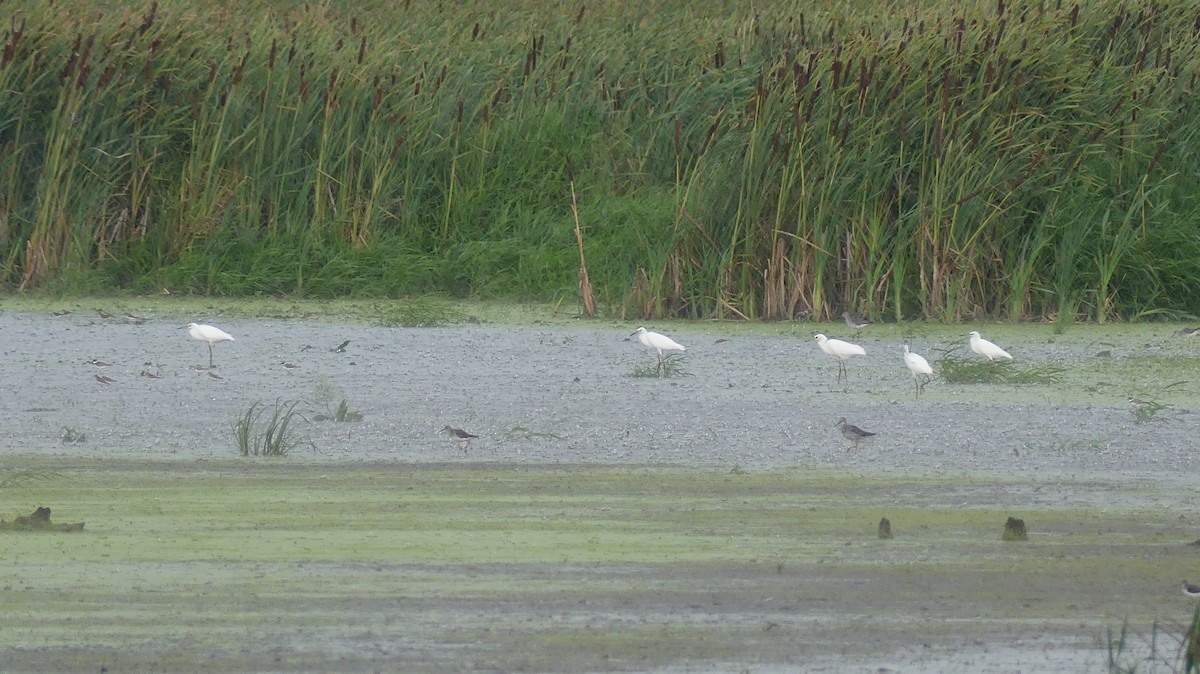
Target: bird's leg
point(662, 366)
point(210, 360)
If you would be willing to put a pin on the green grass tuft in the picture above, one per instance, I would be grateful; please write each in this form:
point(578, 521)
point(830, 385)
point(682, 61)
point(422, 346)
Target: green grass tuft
point(274, 437)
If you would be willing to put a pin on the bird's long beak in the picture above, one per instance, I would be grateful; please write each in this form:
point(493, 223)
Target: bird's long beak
point(633, 333)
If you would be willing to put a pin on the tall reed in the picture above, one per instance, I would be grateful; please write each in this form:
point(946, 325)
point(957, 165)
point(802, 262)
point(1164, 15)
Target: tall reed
point(937, 160)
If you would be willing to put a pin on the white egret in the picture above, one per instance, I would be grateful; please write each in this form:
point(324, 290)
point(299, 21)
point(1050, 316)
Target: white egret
point(840, 350)
point(919, 367)
point(659, 342)
point(459, 436)
point(855, 322)
point(852, 433)
point(985, 348)
point(209, 334)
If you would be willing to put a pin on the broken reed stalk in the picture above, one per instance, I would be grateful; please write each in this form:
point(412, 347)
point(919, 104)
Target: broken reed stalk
point(585, 286)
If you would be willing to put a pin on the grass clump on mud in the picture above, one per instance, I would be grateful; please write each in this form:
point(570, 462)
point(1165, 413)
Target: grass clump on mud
point(957, 369)
point(672, 365)
point(276, 436)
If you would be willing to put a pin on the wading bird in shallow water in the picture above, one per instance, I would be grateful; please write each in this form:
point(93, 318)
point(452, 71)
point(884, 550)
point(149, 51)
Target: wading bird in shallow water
point(985, 348)
point(852, 433)
point(459, 436)
point(919, 367)
point(659, 342)
point(207, 333)
point(840, 350)
point(856, 324)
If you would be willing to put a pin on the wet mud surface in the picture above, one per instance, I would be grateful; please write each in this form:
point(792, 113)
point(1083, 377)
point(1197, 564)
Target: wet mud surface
point(1112, 501)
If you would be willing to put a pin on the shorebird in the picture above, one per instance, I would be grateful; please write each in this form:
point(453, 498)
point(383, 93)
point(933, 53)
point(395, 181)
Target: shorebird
point(104, 314)
point(1191, 590)
point(1188, 332)
point(852, 433)
point(840, 350)
point(460, 436)
point(341, 348)
point(104, 379)
point(136, 320)
point(288, 366)
point(207, 333)
point(856, 324)
point(985, 348)
point(919, 367)
point(659, 342)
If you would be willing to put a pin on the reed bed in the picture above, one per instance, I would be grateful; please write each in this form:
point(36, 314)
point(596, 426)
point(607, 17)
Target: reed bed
point(932, 160)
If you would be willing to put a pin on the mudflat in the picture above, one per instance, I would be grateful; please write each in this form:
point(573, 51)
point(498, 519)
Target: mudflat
point(709, 521)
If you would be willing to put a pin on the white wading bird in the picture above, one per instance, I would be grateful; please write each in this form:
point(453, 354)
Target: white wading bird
point(919, 367)
point(207, 333)
point(840, 350)
point(985, 348)
point(659, 343)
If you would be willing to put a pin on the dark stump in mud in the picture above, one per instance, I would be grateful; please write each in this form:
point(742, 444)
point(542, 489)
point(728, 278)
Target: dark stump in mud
point(1014, 530)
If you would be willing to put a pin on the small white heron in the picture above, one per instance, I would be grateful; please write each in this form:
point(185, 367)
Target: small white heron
point(210, 334)
point(659, 342)
point(840, 350)
point(985, 348)
point(852, 433)
point(459, 436)
point(919, 367)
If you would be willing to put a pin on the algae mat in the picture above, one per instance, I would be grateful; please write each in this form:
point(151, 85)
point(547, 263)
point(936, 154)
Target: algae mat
point(241, 565)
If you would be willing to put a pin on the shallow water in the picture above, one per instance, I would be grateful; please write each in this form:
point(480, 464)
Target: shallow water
point(764, 397)
point(1115, 499)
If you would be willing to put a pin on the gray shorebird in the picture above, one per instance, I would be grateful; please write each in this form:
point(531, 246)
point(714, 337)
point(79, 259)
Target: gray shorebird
point(1188, 332)
point(460, 436)
point(1191, 590)
point(852, 433)
point(856, 323)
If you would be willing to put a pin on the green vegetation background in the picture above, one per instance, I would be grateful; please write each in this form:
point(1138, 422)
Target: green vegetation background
point(941, 160)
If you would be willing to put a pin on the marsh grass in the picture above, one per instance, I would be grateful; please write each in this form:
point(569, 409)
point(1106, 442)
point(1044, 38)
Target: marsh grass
point(522, 433)
point(942, 160)
point(955, 369)
point(1167, 649)
point(19, 478)
point(340, 413)
point(1147, 407)
point(276, 436)
point(420, 313)
point(672, 366)
point(71, 435)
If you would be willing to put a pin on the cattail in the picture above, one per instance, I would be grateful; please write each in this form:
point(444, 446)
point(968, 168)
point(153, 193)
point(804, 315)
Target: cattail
point(271, 58)
point(719, 56)
point(148, 20)
point(579, 16)
point(362, 49)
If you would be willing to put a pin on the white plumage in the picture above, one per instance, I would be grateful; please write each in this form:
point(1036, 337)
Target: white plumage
point(840, 350)
point(918, 366)
point(657, 341)
point(209, 334)
point(986, 349)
